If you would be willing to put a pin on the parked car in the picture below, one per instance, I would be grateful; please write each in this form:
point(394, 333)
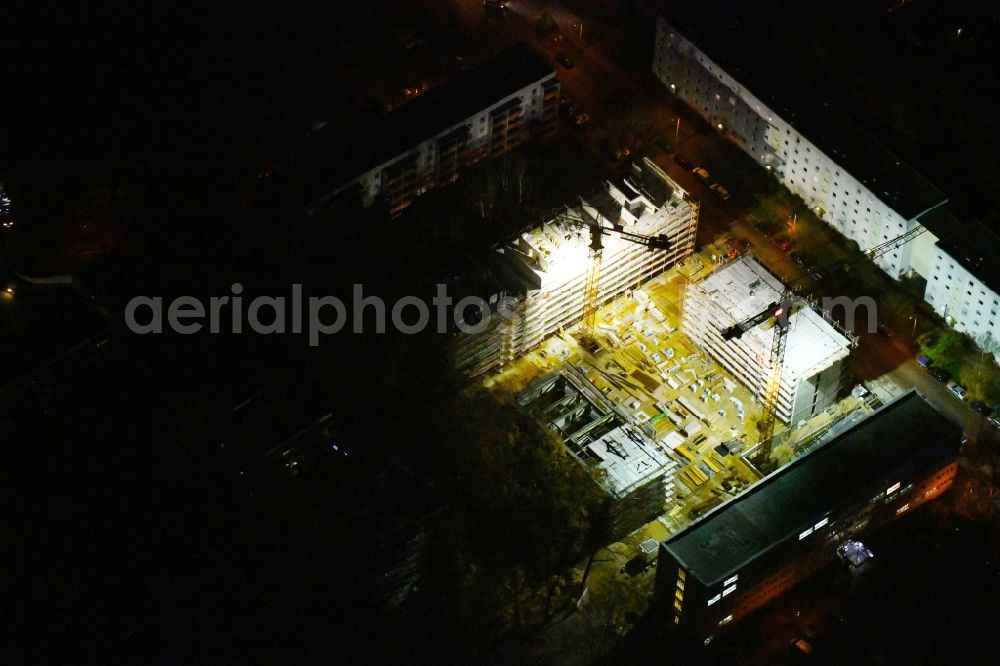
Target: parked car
point(923, 361)
point(803, 259)
point(939, 374)
point(782, 243)
point(622, 153)
point(682, 161)
point(958, 390)
point(885, 331)
point(719, 190)
point(701, 173)
point(981, 407)
point(564, 60)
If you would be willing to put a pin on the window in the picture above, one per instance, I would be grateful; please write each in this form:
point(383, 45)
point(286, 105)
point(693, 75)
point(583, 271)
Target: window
point(729, 590)
point(714, 599)
point(726, 620)
point(732, 579)
point(893, 488)
point(805, 533)
point(821, 523)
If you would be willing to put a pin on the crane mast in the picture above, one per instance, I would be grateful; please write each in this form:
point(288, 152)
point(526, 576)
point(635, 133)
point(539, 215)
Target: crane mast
point(779, 311)
point(592, 285)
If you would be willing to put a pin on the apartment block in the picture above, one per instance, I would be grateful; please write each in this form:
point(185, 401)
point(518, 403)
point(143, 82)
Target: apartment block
point(535, 282)
point(963, 284)
point(842, 172)
point(486, 112)
point(814, 353)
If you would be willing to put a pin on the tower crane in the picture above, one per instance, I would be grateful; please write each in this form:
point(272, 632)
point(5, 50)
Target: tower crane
point(591, 289)
point(779, 311)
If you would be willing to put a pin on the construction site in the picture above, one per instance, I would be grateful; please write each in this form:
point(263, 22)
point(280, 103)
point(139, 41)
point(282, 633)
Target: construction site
point(678, 379)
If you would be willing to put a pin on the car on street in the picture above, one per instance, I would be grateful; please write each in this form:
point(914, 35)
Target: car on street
point(682, 161)
point(939, 374)
point(981, 407)
point(803, 259)
point(564, 60)
point(701, 173)
point(957, 390)
point(781, 243)
point(923, 361)
point(885, 331)
point(721, 191)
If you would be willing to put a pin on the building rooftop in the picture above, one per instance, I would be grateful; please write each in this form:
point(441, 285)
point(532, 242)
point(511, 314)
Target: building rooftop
point(558, 250)
point(905, 436)
point(712, 25)
point(976, 248)
point(627, 458)
point(744, 288)
point(341, 154)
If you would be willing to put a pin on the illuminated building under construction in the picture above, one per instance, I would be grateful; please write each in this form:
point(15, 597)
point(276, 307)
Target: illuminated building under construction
point(538, 280)
point(800, 518)
point(811, 374)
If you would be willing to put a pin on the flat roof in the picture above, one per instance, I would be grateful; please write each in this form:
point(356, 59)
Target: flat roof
point(976, 248)
point(340, 154)
point(744, 288)
point(628, 458)
point(712, 26)
point(906, 434)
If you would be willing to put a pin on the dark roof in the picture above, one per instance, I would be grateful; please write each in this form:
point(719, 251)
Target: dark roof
point(976, 248)
point(732, 36)
point(907, 434)
point(341, 154)
point(941, 222)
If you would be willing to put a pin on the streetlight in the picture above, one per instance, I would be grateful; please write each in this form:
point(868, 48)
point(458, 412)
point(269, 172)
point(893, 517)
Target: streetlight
point(677, 132)
point(914, 318)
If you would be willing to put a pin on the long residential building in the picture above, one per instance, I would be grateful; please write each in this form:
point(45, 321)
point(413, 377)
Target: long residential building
point(798, 519)
point(846, 175)
point(536, 281)
point(815, 351)
point(963, 284)
point(422, 144)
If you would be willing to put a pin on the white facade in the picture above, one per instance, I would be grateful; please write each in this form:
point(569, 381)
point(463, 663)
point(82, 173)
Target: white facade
point(814, 351)
point(545, 268)
point(511, 116)
point(838, 197)
point(964, 300)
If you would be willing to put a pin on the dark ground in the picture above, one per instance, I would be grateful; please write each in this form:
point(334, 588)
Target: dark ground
point(129, 539)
